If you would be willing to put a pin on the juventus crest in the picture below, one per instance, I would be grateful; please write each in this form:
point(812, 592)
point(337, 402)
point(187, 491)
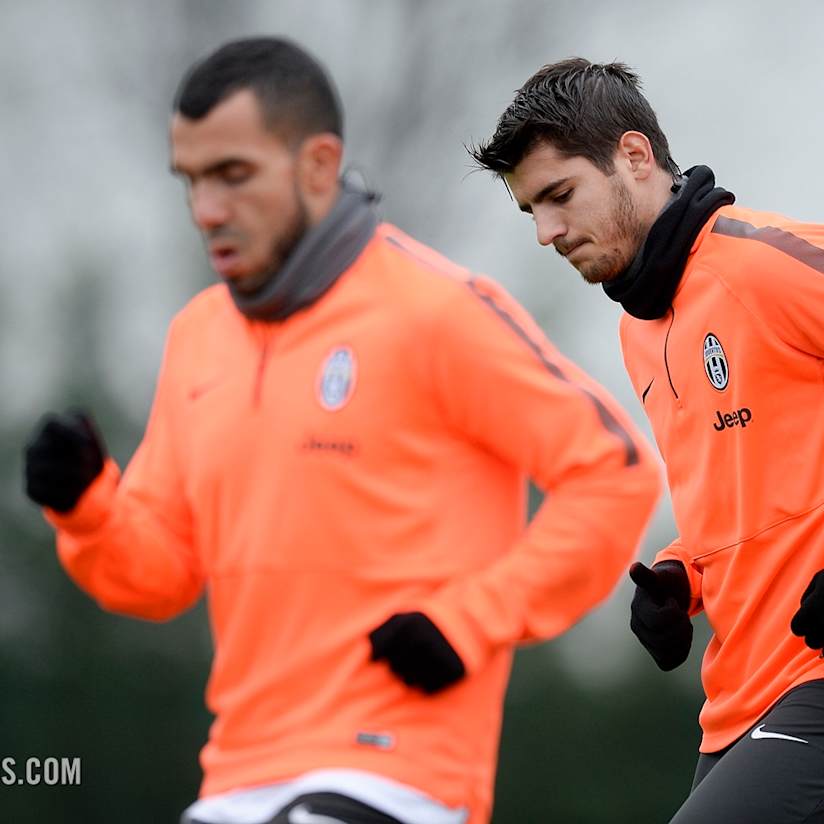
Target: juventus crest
point(715, 362)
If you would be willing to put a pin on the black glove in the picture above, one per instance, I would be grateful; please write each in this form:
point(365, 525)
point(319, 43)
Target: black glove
point(416, 652)
point(660, 615)
point(63, 456)
point(808, 621)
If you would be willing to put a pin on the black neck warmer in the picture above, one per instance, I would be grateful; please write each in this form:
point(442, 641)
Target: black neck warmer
point(646, 288)
point(321, 256)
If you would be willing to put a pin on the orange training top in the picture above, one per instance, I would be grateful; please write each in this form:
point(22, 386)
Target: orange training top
point(365, 456)
point(732, 379)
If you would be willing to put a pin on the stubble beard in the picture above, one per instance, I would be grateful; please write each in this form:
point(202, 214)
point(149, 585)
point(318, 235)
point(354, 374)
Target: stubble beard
point(282, 248)
point(627, 237)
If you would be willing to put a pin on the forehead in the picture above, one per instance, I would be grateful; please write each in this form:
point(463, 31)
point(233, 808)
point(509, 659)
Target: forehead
point(235, 126)
point(541, 166)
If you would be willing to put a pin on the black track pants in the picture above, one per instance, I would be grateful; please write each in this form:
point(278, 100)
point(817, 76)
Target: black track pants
point(773, 774)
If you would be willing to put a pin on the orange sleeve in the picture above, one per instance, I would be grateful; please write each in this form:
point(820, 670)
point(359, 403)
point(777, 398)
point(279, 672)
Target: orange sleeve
point(504, 386)
point(676, 552)
point(128, 543)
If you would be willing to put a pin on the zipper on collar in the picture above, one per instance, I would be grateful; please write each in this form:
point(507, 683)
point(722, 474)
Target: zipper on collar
point(258, 389)
point(262, 332)
point(666, 360)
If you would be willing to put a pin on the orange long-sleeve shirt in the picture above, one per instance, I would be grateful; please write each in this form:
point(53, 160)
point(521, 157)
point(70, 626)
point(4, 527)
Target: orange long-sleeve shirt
point(732, 379)
point(363, 457)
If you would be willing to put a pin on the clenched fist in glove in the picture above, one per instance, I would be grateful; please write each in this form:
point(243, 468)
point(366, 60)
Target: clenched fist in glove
point(660, 617)
point(808, 621)
point(63, 456)
point(417, 652)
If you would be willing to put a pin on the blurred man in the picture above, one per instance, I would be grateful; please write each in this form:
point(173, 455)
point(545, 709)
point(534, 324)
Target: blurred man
point(724, 342)
point(337, 453)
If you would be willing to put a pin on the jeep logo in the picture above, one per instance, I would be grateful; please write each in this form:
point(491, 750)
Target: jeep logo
point(741, 418)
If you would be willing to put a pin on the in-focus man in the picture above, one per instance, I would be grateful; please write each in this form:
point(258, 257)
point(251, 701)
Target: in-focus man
point(723, 339)
point(336, 453)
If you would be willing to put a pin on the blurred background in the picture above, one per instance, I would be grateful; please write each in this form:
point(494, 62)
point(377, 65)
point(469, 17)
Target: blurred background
point(98, 254)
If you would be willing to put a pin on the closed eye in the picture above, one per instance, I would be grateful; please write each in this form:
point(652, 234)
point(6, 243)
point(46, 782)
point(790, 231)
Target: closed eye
point(234, 173)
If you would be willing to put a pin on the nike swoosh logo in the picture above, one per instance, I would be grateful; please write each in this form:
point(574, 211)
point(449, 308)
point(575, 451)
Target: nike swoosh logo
point(201, 390)
point(758, 732)
point(644, 396)
point(303, 815)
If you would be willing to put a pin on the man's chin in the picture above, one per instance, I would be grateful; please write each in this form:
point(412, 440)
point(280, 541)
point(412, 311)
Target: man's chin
point(247, 284)
point(596, 277)
point(600, 271)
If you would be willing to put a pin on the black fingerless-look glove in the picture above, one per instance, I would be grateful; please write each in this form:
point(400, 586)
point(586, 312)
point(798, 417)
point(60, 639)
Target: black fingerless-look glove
point(417, 652)
point(659, 612)
point(808, 621)
point(62, 458)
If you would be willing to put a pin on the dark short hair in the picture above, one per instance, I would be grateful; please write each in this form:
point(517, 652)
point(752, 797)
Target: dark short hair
point(582, 109)
point(296, 95)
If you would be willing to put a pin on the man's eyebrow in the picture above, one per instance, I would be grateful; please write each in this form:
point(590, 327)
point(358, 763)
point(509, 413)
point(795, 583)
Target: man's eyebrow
point(544, 193)
point(214, 168)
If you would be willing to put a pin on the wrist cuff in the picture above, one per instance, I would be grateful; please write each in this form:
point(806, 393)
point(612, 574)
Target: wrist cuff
point(93, 507)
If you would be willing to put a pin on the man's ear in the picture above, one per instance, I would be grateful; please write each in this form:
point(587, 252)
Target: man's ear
point(318, 164)
point(634, 151)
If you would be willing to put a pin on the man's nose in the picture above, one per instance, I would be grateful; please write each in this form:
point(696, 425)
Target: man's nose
point(549, 229)
point(209, 211)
